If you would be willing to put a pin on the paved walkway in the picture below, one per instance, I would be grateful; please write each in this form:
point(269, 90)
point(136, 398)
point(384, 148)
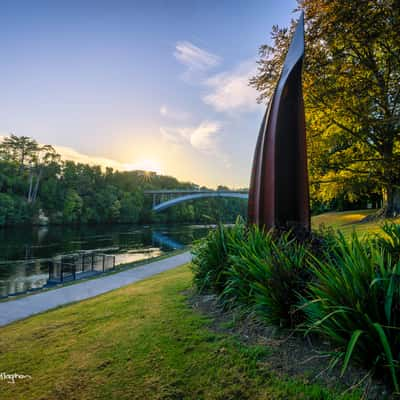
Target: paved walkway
point(14, 310)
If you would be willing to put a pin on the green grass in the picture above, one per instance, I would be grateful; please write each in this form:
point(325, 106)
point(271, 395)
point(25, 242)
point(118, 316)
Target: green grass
point(348, 221)
point(139, 342)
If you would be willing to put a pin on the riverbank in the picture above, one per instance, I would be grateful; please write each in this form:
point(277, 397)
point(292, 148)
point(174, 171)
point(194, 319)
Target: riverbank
point(139, 342)
point(119, 268)
point(27, 254)
point(34, 304)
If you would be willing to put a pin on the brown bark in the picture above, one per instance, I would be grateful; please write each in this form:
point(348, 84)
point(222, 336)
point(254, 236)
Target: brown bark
point(392, 208)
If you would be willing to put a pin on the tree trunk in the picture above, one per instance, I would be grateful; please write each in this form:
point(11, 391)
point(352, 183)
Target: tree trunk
point(30, 187)
point(35, 192)
point(392, 208)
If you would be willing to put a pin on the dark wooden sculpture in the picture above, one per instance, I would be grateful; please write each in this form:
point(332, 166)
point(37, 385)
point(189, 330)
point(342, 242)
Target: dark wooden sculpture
point(279, 194)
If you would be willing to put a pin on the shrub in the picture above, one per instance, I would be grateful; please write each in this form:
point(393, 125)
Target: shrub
point(354, 301)
point(238, 289)
point(390, 240)
point(267, 274)
point(210, 257)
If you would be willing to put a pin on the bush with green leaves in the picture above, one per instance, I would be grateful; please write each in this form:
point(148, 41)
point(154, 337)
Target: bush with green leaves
point(355, 302)
point(390, 239)
point(267, 274)
point(211, 256)
point(347, 290)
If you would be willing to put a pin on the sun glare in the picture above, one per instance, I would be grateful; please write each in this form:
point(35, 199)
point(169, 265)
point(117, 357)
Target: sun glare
point(147, 164)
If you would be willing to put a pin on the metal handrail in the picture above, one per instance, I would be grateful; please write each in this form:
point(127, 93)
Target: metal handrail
point(75, 265)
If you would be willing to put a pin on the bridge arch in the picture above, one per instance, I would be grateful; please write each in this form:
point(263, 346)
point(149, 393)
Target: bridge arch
point(169, 203)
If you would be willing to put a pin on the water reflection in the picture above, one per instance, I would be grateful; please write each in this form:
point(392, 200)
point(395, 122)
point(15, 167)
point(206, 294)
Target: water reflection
point(25, 253)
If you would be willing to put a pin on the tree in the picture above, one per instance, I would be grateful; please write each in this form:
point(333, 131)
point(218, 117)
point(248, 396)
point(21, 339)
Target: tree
point(19, 149)
point(72, 207)
point(30, 158)
point(44, 156)
point(351, 93)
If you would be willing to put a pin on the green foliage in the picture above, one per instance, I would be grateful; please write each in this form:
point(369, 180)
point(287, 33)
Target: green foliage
point(345, 289)
point(260, 271)
point(210, 262)
point(14, 210)
point(354, 301)
point(350, 80)
point(390, 241)
point(268, 272)
point(6, 208)
point(72, 206)
point(33, 181)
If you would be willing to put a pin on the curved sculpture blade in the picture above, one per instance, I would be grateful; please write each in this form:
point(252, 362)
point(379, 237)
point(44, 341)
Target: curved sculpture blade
point(279, 194)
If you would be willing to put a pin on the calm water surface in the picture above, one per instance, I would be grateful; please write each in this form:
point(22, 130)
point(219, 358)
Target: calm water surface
point(25, 252)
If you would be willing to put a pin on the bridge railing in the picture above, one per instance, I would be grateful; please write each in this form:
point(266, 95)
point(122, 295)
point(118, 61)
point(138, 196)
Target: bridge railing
point(164, 198)
point(76, 266)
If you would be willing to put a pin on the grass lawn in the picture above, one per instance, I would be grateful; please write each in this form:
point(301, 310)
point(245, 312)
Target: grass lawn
point(348, 221)
point(140, 342)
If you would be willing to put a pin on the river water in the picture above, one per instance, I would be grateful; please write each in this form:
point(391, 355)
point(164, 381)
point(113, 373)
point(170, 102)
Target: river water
point(25, 253)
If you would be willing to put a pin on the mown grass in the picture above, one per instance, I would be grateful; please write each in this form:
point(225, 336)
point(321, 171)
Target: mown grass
point(349, 221)
point(139, 342)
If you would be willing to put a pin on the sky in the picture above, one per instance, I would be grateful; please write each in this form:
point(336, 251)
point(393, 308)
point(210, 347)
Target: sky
point(150, 84)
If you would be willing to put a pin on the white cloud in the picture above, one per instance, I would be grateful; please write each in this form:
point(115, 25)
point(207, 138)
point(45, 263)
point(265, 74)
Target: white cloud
point(194, 57)
point(196, 60)
point(231, 90)
point(172, 135)
point(203, 137)
point(68, 153)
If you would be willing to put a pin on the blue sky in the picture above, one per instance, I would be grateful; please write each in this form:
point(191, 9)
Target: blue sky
point(138, 84)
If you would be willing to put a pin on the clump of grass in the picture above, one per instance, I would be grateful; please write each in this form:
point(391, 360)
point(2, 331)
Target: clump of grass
point(211, 256)
point(355, 302)
point(267, 273)
point(390, 240)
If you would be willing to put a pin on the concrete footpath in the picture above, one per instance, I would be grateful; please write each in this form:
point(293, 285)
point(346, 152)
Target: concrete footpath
point(15, 310)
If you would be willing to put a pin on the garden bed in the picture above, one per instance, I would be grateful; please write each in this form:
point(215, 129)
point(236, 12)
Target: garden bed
point(289, 353)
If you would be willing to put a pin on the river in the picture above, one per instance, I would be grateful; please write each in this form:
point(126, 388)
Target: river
point(25, 252)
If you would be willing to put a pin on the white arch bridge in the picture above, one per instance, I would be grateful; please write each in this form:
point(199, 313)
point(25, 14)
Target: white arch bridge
point(163, 199)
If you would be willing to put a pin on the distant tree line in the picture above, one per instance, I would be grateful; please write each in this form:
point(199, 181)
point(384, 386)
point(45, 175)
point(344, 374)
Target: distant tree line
point(36, 186)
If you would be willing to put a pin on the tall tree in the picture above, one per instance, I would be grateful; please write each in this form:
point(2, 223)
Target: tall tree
point(43, 157)
point(19, 149)
point(351, 93)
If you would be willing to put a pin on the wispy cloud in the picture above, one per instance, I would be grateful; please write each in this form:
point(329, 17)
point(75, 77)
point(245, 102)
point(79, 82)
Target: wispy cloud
point(174, 136)
point(173, 113)
point(196, 60)
point(203, 137)
point(68, 153)
point(194, 57)
point(230, 90)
